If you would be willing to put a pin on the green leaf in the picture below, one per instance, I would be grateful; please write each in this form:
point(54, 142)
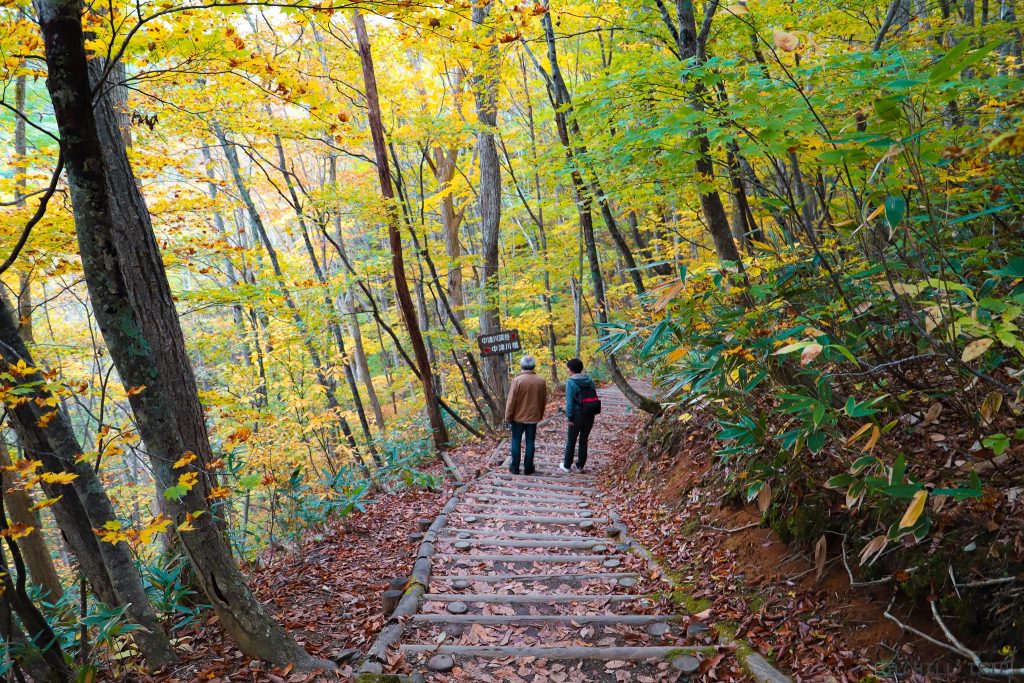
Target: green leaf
point(176, 492)
point(862, 463)
point(250, 481)
point(899, 470)
point(1014, 268)
point(997, 442)
point(895, 210)
point(840, 481)
point(955, 60)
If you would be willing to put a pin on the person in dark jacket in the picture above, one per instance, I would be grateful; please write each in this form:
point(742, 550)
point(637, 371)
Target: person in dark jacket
point(580, 424)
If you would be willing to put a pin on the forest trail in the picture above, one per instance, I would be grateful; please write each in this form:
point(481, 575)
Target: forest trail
point(532, 579)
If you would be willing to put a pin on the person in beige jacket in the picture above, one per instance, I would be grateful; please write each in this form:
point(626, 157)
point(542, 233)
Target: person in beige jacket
point(527, 398)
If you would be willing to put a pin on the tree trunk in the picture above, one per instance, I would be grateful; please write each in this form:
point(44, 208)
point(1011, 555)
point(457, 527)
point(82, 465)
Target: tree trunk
point(485, 90)
point(438, 428)
point(20, 170)
point(124, 291)
point(51, 661)
point(33, 547)
point(83, 505)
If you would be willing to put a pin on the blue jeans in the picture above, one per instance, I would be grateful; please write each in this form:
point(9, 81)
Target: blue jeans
point(518, 430)
point(579, 429)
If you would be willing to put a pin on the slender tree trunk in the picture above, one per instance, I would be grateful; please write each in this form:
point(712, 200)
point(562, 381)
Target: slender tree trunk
point(438, 428)
point(348, 309)
point(51, 660)
point(20, 169)
point(33, 547)
point(123, 292)
point(485, 89)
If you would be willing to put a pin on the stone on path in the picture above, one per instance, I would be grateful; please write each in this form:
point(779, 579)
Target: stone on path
point(696, 628)
point(457, 608)
point(463, 545)
point(612, 563)
point(460, 585)
point(441, 663)
point(627, 582)
point(470, 518)
point(658, 630)
point(686, 664)
point(586, 524)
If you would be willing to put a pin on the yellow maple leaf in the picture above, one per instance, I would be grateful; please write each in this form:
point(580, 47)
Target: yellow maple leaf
point(185, 459)
point(219, 492)
point(134, 391)
point(44, 421)
point(188, 480)
point(158, 525)
point(24, 467)
point(187, 524)
point(45, 503)
point(17, 530)
point(58, 477)
point(21, 369)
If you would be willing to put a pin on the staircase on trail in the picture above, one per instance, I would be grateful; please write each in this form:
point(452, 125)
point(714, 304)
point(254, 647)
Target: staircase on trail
point(530, 580)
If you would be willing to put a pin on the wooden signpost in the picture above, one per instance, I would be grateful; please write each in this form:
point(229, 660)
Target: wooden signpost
point(499, 343)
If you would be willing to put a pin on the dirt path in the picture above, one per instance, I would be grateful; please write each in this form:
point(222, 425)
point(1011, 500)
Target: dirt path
point(530, 578)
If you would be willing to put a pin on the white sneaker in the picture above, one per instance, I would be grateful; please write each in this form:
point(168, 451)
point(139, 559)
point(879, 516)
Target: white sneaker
point(564, 468)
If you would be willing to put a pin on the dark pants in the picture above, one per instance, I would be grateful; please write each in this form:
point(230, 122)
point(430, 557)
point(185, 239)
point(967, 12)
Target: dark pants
point(579, 429)
point(518, 430)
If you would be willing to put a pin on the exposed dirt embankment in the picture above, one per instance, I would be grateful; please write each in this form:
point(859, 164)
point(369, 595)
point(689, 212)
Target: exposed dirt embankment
point(795, 604)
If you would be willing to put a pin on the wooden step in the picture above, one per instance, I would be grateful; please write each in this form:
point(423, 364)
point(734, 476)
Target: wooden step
point(629, 654)
point(501, 533)
point(502, 578)
point(523, 558)
point(525, 508)
point(534, 598)
point(544, 486)
point(519, 493)
point(552, 479)
point(535, 519)
point(512, 497)
point(513, 543)
point(535, 619)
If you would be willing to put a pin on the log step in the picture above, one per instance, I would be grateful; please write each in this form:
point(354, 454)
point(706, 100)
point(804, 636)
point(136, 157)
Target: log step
point(536, 519)
point(543, 486)
point(502, 578)
point(514, 497)
point(520, 494)
point(531, 619)
point(538, 598)
point(553, 479)
point(523, 559)
point(501, 533)
point(483, 507)
point(506, 543)
point(631, 654)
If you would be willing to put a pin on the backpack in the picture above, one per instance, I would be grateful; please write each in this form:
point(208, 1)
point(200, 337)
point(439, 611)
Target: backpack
point(590, 404)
